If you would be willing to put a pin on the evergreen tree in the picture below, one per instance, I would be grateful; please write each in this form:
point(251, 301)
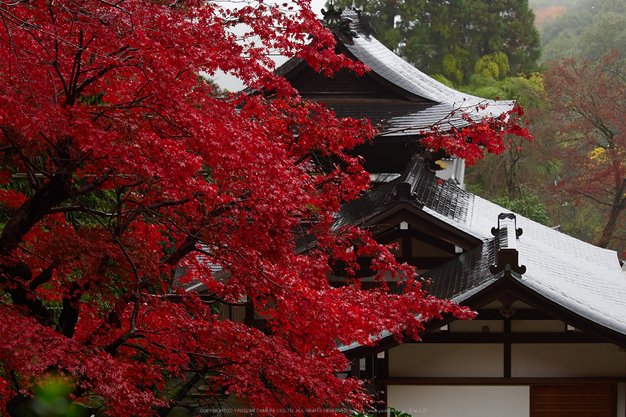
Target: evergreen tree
point(448, 38)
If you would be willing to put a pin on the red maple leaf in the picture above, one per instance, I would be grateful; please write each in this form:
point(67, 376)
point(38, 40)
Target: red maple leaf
point(122, 165)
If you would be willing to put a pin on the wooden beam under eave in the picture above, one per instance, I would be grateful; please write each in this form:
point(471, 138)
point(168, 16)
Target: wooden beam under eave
point(496, 380)
point(511, 338)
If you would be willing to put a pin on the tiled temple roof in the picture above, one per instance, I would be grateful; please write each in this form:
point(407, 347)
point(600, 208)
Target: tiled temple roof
point(432, 103)
point(579, 277)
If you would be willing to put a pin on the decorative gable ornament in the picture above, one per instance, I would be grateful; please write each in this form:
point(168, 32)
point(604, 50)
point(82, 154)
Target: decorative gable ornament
point(338, 22)
point(506, 235)
point(334, 20)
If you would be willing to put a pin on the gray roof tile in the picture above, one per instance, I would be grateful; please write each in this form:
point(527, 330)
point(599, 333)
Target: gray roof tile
point(442, 198)
point(583, 278)
point(394, 69)
point(447, 104)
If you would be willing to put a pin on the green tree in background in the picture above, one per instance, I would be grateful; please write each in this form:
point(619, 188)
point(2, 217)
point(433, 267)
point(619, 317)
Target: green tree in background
point(449, 38)
point(512, 175)
point(590, 29)
point(560, 38)
point(606, 33)
point(528, 205)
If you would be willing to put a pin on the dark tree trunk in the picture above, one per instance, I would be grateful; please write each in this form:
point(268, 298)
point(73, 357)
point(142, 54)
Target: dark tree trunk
point(619, 203)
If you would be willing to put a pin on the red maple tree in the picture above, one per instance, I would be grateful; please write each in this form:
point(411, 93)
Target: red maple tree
point(586, 102)
point(121, 165)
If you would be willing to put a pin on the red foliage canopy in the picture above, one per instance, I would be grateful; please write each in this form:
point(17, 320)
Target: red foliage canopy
point(120, 165)
point(471, 141)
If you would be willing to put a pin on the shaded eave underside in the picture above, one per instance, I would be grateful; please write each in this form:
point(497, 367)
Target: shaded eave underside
point(566, 278)
point(433, 102)
point(491, 289)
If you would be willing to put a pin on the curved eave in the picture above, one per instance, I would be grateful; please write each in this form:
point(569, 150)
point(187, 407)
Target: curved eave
point(444, 105)
point(512, 287)
point(423, 219)
point(518, 287)
point(389, 66)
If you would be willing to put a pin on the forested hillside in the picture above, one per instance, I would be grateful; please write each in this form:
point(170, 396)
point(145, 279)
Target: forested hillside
point(588, 28)
point(563, 60)
point(581, 122)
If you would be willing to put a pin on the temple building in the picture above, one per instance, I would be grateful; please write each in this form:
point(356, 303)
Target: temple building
point(550, 335)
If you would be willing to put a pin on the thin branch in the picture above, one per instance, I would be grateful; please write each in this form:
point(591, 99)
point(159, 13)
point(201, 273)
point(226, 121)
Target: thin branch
point(592, 198)
point(81, 209)
point(136, 347)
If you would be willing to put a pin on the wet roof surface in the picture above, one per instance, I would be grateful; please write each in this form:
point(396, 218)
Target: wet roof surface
point(439, 105)
point(424, 191)
point(576, 275)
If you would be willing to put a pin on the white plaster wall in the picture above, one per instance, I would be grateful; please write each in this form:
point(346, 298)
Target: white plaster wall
point(567, 360)
point(521, 326)
point(438, 360)
point(465, 401)
point(477, 326)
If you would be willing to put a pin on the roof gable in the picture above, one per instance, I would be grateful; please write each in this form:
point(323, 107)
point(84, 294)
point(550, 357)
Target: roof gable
point(392, 78)
point(569, 279)
point(416, 186)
